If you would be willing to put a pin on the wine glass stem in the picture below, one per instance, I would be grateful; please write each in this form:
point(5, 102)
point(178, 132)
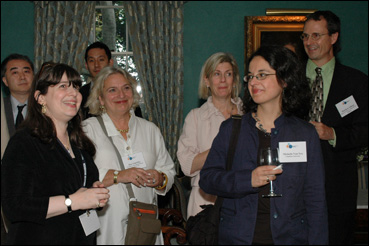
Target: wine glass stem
point(271, 187)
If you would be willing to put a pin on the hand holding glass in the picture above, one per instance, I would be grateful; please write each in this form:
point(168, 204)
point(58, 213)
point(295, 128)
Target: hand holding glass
point(269, 156)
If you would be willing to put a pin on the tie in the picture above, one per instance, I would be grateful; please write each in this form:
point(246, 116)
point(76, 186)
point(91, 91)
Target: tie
point(19, 119)
point(316, 111)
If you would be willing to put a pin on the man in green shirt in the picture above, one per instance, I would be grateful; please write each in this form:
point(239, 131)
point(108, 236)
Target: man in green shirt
point(343, 128)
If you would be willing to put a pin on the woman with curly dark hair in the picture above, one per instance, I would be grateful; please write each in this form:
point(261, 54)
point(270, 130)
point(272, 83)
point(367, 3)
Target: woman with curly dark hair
point(49, 182)
point(276, 102)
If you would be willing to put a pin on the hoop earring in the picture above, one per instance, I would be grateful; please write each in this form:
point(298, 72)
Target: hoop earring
point(43, 108)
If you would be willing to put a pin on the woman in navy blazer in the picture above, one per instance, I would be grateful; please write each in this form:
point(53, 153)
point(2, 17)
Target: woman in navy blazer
point(276, 103)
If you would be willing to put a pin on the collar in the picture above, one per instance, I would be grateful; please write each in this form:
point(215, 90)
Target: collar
point(208, 109)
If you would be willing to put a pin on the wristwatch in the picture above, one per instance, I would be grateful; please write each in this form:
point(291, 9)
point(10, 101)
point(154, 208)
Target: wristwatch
point(116, 176)
point(68, 203)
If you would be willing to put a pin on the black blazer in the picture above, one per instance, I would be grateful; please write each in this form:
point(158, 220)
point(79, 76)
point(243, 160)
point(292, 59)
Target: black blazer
point(351, 134)
point(33, 171)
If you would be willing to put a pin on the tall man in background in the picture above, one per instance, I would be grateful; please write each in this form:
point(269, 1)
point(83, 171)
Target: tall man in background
point(343, 124)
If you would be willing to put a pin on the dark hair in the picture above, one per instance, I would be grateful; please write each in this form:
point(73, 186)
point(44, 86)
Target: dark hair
point(289, 70)
point(333, 25)
point(99, 45)
point(40, 124)
point(14, 57)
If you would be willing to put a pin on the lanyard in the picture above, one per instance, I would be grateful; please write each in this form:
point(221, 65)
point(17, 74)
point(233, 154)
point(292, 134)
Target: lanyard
point(84, 170)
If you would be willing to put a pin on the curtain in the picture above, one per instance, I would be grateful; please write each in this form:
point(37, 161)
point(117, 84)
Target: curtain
point(62, 30)
point(156, 34)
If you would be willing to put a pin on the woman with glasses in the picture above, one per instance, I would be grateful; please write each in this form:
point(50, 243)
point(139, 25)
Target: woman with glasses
point(49, 181)
point(276, 104)
point(220, 85)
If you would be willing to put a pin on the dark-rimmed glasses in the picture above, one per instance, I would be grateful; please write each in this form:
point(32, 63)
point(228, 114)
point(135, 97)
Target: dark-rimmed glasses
point(314, 36)
point(259, 76)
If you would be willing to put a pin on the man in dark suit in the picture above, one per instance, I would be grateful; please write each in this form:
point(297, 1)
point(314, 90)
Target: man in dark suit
point(17, 74)
point(343, 127)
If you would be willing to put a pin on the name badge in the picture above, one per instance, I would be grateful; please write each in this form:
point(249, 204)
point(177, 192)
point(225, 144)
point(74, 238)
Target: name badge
point(134, 160)
point(346, 106)
point(90, 222)
point(292, 152)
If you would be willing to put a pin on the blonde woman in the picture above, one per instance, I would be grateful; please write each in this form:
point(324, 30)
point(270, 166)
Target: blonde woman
point(114, 98)
point(220, 85)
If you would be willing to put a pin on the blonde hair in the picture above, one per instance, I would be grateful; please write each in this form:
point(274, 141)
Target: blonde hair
point(93, 102)
point(208, 69)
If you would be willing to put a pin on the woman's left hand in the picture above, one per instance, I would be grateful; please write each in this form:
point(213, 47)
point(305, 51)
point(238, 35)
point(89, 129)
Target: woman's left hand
point(155, 178)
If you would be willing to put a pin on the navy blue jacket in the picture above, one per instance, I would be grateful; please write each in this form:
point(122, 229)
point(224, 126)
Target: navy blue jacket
point(299, 216)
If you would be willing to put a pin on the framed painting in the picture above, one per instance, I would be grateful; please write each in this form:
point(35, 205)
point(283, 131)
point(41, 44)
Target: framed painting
point(281, 30)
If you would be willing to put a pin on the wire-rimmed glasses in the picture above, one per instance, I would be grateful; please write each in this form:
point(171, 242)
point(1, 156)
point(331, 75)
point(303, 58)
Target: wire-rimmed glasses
point(314, 36)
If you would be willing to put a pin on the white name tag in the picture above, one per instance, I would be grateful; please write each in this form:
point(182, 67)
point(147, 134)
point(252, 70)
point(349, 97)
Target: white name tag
point(134, 160)
point(90, 222)
point(292, 152)
point(346, 106)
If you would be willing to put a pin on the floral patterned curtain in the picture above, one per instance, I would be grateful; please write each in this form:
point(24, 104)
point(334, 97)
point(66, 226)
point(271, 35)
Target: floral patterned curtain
point(62, 29)
point(156, 33)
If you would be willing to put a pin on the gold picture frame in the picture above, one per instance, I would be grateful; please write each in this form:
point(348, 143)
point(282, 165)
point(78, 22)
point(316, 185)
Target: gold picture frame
point(256, 26)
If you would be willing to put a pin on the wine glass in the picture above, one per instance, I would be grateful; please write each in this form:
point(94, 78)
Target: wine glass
point(269, 156)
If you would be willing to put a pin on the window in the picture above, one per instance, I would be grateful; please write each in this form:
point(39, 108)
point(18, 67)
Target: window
point(110, 28)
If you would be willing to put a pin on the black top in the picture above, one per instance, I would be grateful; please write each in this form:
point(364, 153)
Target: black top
point(32, 172)
point(263, 233)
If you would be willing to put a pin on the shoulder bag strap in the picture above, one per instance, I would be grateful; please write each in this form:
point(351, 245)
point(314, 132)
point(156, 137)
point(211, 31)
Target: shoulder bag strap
point(231, 149)
point(129, 187)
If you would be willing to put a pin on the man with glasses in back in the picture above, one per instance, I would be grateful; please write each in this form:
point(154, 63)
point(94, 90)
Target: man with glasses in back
point(340, 116)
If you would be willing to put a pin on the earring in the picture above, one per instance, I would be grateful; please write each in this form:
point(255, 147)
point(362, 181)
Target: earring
point(102, 108)
point(43, 109)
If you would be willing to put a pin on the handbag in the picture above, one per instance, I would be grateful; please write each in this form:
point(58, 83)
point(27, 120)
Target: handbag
point(143, 224)
point(203, 228)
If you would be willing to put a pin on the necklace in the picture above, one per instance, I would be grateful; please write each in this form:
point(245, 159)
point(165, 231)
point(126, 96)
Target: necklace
point(123, 130)
point(66, 147)
point(260, 126)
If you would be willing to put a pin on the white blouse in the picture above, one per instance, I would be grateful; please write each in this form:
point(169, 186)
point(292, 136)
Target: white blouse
point(143, 137)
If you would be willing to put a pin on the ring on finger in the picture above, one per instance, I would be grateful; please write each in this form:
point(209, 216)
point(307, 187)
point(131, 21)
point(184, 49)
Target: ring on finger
point(267, 179)
point(153, 180)
point(98, 205)
point(137, 177)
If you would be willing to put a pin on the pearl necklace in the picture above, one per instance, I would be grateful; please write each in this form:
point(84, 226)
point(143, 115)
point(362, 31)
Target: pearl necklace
point(260, 126)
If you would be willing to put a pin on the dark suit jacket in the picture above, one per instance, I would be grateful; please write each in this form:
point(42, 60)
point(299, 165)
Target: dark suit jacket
point(85, 91)
point(352, 133)
point(9, 115)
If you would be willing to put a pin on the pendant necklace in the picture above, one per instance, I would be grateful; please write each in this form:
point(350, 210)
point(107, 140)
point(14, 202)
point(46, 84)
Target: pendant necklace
point(260, 126)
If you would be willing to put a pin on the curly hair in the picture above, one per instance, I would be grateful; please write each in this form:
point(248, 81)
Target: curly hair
point(40, 124)
point(296, 95)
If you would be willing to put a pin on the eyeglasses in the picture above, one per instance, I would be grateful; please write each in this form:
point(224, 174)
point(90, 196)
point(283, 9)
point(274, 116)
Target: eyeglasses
point(259, 76)
point(314, 36)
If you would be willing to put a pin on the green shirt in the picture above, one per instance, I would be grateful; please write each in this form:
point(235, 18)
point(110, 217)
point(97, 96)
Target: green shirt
point(327, 74)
